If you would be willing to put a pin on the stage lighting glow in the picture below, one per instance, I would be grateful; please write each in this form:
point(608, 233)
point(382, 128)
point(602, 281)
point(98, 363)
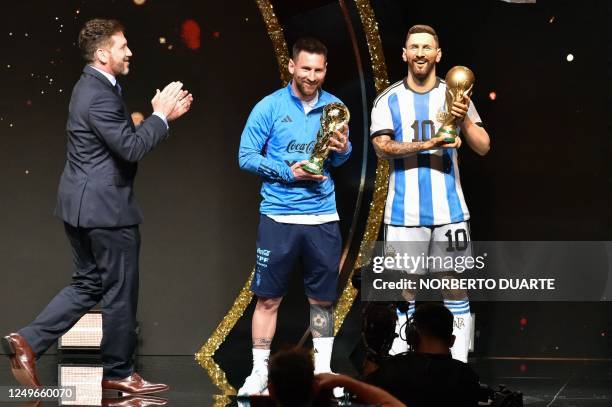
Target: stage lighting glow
point(190, 34)
point(86, 380)
point(87, 332)
point(162, 40)
point(569, 57)
point(492, 95)
point(139, 2)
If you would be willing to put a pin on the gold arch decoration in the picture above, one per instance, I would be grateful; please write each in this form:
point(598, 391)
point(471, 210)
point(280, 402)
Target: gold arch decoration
point(206, 353)
point(377, 206)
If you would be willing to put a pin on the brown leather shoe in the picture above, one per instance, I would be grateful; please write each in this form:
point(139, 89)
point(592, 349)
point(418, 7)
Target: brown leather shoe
point(133, 384)
point(23, 361)
point(134, 401)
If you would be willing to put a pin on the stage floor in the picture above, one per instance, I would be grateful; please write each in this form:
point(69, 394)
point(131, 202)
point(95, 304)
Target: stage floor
point(544, 383)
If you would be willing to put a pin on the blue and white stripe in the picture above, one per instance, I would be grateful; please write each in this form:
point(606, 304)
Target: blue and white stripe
point(458, 307)
point(411, 307)
point(424, 189)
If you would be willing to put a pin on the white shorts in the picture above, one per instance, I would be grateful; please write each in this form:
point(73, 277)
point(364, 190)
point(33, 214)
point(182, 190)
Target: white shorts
point(428, 248)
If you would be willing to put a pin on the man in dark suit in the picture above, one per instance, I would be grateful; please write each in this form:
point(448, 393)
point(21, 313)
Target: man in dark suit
point(101, 217)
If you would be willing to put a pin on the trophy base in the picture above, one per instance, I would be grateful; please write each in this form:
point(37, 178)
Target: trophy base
point(449, 134)
point(312, 169)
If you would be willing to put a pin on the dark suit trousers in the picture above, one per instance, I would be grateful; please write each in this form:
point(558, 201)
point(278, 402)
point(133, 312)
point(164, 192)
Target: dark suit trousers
point(106, 271)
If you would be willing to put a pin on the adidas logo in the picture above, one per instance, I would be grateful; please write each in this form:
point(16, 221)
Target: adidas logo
point(287, 119)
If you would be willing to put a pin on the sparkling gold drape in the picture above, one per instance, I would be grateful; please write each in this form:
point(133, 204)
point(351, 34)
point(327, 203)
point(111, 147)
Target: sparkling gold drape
point(370, 25)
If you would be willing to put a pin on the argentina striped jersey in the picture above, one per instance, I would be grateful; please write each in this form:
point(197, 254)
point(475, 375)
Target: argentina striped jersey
point(424, 188)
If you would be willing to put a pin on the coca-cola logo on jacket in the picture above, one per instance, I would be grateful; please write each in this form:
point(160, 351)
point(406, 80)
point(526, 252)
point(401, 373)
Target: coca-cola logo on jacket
point(295, 147)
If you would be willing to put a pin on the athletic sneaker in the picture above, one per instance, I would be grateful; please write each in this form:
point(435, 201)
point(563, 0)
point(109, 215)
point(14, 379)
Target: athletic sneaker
point(255, 384)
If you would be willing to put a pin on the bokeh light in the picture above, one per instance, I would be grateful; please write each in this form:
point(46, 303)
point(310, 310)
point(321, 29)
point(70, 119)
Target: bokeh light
point(190, 34)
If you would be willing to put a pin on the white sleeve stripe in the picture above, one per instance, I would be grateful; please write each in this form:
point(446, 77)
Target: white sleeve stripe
point(386, 91)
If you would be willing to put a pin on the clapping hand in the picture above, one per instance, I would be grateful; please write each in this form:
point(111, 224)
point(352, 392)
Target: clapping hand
point(182, 106)
point(165, 101)
point(173, 101)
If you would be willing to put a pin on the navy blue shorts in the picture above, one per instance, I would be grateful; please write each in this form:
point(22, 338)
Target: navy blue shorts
point(281, 245)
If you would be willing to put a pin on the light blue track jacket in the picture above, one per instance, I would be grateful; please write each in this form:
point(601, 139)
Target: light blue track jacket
point(277, 134)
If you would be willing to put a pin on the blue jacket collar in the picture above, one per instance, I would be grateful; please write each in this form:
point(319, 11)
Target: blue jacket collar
point(324, 97)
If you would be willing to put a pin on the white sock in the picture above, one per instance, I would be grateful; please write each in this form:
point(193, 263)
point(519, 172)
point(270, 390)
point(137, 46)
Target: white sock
point(462, 328)
point(260, 361)
point(322, 354)
point(399, 343)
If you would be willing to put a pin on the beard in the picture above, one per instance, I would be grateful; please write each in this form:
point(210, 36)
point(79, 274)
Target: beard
point(120, 67)
point(307, 91)
point(419, 72)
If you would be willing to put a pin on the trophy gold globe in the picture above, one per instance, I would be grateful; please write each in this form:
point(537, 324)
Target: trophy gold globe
point(459, 84)
point(334, 117)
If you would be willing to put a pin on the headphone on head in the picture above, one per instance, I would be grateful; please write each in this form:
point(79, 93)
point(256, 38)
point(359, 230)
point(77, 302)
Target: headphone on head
point(413, 336)
point(378, 329)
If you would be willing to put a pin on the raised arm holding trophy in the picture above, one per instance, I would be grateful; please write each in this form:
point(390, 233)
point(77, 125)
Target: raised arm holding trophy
point(416, 124)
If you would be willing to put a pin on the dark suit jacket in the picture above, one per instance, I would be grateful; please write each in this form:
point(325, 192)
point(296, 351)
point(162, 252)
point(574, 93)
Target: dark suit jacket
point(96, 187)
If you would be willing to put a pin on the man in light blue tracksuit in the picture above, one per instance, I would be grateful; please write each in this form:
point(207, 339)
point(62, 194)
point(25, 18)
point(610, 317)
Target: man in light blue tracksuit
point(298, 210)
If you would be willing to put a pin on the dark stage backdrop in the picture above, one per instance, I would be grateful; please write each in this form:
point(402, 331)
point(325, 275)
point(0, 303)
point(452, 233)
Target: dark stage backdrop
point(200, 210)
point(546, 178)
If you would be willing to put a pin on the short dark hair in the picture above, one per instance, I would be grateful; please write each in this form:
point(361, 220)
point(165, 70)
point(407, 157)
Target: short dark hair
point(422, 28)
point(291, 372)
point(435, 320)
point(310, 45)
point(95, 33)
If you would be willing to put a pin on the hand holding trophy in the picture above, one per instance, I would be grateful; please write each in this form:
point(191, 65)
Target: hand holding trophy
point(335, 116)
point(459, 85)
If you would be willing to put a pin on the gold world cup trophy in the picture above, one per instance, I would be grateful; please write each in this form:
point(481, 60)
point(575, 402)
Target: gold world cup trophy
point(334, 117)
point(459, 84)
